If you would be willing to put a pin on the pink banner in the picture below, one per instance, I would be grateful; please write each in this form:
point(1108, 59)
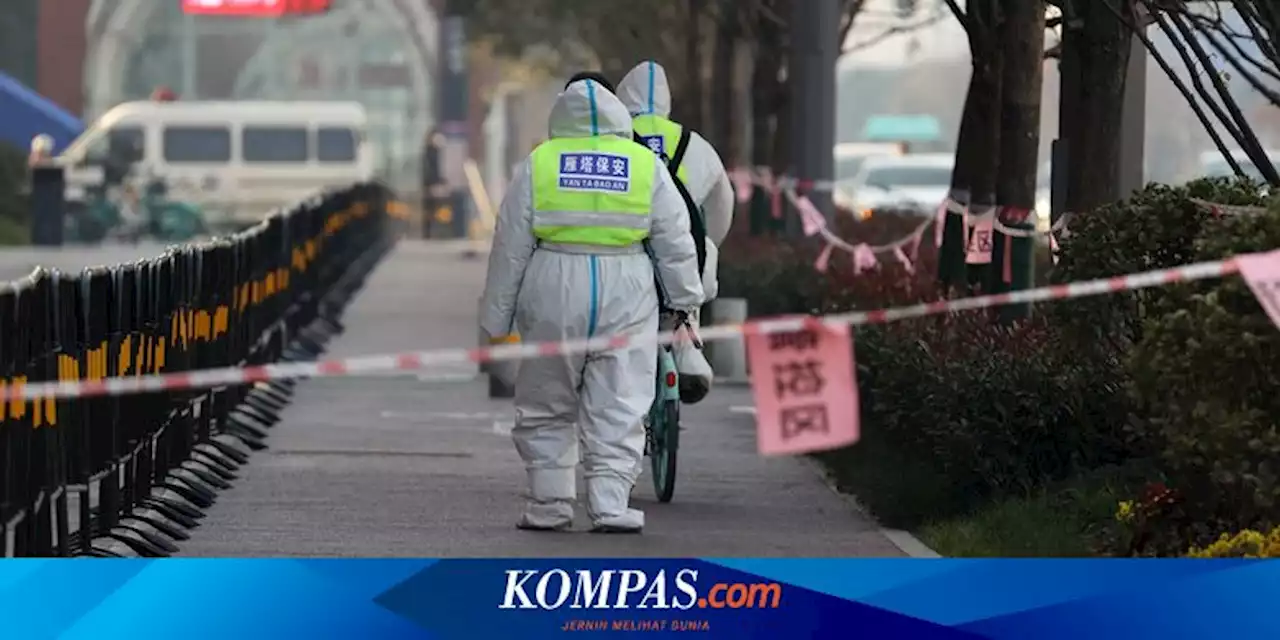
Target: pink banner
point(864, 259)
point(1262, 272)
point(805, 389)
point(904, 260)
point(824, 259)
point(812, 221)
point(980, 242)
point(742, 185)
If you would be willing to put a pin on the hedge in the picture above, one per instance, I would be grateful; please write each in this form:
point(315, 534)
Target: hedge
point(963, 410)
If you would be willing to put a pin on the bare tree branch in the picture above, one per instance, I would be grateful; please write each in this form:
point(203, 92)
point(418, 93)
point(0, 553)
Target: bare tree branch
point(1252, 18)
point(1234, 59)
point(890, 32)
point(1194, 71)
point(961, 16)
point(1180, 86)
point(1247, 137)
point(1211, 28)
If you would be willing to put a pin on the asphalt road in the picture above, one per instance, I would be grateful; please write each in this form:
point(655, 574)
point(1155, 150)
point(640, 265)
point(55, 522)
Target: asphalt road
point(424, 466)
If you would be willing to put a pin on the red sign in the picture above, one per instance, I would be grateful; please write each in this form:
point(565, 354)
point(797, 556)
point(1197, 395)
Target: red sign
point(255, 8)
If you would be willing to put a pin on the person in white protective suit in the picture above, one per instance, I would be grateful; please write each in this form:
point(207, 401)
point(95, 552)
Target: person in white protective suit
point(697, 166)
point(569, 262)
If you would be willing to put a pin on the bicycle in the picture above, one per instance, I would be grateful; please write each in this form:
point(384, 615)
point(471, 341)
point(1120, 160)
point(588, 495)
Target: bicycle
point(662, 425)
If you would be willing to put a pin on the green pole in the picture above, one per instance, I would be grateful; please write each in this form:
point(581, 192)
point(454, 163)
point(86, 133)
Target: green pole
point(951, 255)
point(1020, 253)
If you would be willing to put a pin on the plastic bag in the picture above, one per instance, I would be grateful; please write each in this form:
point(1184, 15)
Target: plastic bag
point(695, 372)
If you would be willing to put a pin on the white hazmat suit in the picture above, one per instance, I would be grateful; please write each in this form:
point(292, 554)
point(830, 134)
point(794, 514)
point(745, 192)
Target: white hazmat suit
point(555, 293)
point(645, 91)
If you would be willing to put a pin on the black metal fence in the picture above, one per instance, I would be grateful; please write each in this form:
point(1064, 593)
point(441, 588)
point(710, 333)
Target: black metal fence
point(129, 475)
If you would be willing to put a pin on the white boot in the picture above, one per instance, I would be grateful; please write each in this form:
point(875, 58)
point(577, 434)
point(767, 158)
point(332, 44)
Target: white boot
point(607, 498)
point(546, 516)
point(550, 504)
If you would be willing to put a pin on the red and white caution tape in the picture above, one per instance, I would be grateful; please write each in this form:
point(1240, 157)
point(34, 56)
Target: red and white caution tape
point(418, 360)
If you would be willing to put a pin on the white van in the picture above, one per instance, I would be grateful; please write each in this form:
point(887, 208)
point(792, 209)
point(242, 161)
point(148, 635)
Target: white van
point(235, 160)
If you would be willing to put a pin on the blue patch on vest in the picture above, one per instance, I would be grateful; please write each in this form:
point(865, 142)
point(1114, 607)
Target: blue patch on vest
point(656, 144)
point(594, 171)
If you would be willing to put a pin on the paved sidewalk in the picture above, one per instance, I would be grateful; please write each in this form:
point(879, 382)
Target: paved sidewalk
point(424, 466)
point(16, 262)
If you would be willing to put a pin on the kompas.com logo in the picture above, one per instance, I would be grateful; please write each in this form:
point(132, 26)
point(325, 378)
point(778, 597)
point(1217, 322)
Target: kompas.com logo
point(631, 589)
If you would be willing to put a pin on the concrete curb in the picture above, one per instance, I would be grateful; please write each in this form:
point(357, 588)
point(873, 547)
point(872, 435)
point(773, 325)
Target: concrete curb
point(909, 544)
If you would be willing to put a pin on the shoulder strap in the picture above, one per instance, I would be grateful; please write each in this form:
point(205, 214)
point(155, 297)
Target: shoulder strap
point(681, 147)
point(697, 226)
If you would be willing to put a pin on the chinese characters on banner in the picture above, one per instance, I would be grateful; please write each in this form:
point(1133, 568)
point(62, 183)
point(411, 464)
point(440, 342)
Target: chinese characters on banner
point(980, 241)
point(1262, 272)
point(805, 390)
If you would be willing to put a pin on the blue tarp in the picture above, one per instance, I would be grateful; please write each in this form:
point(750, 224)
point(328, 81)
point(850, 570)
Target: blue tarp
point(25, 114)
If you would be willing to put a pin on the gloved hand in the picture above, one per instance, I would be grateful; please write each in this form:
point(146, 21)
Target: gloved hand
point(683, 325)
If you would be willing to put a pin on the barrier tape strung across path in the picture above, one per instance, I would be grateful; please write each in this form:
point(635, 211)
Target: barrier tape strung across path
point(412, 361)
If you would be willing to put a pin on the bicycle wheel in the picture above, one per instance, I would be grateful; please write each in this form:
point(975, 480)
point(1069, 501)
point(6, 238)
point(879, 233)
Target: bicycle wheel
point(666, 442)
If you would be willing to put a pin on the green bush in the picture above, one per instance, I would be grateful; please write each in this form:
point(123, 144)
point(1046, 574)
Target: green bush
point(956, 410)
point(961, 410)
point(1155, 228)
point(776, 275)
point(13, 204)
point(1206, 381)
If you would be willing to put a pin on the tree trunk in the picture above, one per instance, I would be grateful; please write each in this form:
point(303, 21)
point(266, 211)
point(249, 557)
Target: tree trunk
point(977, 162)
point(692, 114)
point(1022, 41)
point(1099, 52)
point(951, 267)
point(723, 122)
point(780, 161)
point(765, 89)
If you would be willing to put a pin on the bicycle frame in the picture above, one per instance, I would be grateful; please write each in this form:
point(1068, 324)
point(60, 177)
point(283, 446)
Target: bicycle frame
point(668, 378)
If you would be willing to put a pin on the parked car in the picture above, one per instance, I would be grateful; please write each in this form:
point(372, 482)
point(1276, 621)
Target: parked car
point(849, 157)
point(913, 182)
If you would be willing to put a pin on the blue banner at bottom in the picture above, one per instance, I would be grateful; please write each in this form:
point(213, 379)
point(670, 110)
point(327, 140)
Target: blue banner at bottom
point(741, 599)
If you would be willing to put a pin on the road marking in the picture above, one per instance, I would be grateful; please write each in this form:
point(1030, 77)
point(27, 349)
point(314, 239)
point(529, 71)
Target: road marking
point(503, 427)
point(743, 409)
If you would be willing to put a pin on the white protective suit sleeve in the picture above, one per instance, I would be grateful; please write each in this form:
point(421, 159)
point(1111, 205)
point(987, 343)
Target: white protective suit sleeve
point(718, 204)
point(672, 243)
point(513, 245)
point(645, 90)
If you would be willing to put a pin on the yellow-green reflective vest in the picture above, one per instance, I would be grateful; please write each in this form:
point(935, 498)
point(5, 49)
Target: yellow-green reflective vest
point(661, 136)
point(593, 191)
